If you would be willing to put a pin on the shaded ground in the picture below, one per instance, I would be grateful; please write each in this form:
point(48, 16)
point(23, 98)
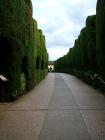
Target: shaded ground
point(61, 107)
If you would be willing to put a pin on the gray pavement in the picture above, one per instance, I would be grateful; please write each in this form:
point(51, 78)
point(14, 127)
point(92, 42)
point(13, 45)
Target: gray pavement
point(61, 107)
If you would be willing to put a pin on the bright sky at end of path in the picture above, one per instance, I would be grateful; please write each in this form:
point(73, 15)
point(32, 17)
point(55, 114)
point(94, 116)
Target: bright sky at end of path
point(61, 22)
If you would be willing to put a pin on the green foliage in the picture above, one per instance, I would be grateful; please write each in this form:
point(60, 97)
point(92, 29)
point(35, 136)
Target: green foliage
point(100, 38)
point(23, 84)
point(83, 49)
point(21, 43)
point(91, 42)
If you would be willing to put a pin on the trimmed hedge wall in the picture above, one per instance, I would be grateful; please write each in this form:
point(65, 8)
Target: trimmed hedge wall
point(86, 59)
point(82, 56)
point(23, 54)
point(100, 37)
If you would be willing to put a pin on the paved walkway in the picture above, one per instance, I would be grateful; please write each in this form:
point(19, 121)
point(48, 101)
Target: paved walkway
point(61, 107)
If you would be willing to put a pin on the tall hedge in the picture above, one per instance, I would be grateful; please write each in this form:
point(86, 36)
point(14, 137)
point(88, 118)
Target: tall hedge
point(81, 58)
point(91, 42)
point(83, 49)
point(100, 37)
point(21, 43)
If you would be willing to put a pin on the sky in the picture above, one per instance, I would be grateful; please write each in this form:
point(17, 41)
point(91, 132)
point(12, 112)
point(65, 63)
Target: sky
point(61, 22)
